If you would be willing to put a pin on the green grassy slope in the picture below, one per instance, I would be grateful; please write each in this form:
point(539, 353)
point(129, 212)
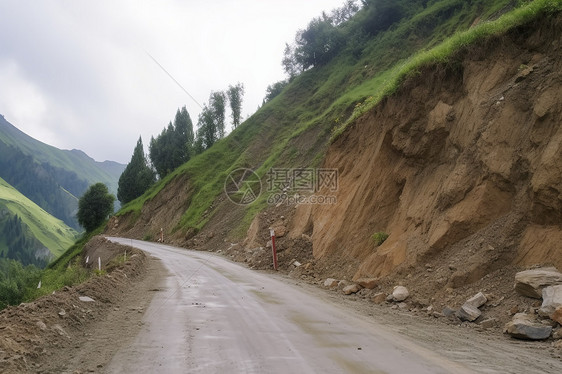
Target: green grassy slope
point(74, 160)
point(51, 232)
point(293, 129)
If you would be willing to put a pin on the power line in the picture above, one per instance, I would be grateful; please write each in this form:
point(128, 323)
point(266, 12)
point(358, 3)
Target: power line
point(174, 79)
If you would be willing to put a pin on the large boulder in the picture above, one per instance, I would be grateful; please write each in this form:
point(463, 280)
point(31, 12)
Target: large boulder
point(525, 326)
point(530, 283)
point(551, 300)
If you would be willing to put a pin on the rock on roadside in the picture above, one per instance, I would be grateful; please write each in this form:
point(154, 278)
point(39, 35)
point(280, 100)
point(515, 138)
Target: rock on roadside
point(477, 300)
point(352, 288)
point(530, 283)
point(469, 311)
point(525, 326)
point(400, 293)
point(551, 300)
point(368, 283)
point(557, 315)
point(331, 283)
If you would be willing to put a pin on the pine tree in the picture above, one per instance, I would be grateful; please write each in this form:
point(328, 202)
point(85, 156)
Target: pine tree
point(174, 146)
point(137, 176)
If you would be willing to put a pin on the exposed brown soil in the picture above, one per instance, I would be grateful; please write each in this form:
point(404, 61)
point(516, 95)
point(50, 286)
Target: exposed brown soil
point(59, 333)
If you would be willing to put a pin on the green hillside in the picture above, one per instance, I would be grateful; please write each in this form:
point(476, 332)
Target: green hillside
point(52, 178)
point(76, 161)
point(374, 51)
point(52, 233)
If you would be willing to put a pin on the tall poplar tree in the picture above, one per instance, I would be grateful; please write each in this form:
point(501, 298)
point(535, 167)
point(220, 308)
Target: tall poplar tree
point(235, 94)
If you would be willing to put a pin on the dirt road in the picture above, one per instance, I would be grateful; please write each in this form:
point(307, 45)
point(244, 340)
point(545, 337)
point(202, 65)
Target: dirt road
point(215, 316)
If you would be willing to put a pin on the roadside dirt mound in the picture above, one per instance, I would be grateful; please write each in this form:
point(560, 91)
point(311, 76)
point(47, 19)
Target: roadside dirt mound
point(35, 334)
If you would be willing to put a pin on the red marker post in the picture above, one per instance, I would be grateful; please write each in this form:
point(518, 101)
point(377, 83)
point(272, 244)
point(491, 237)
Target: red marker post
point(272, 233)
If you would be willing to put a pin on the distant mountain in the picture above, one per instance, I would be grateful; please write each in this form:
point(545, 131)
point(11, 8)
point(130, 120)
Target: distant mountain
point(28, 233)
point(52, 178)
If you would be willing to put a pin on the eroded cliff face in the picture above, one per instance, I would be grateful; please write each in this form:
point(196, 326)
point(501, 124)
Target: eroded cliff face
point(464, 163)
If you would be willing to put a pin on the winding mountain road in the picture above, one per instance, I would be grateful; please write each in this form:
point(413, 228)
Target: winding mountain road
point(215, 316)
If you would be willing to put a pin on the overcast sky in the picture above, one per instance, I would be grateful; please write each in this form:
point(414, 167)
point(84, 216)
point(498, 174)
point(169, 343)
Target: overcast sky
point(79, 74)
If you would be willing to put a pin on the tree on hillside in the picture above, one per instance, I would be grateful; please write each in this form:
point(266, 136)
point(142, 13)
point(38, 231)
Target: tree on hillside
point(210, 125)
point(381, 14)
point(235, 94)
point(174, 146)
point(95, 206)
point(137, 177)
point(274, 90)
point(217, 104)
point(207, 132)
point(320, 41)
point(183, 136)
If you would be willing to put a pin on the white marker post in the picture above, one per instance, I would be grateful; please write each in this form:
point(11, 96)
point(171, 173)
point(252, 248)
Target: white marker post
point(161, 235)
point(99, 263)
point(272, 233)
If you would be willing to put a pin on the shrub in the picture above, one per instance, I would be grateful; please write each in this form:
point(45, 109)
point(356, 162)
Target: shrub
point(379, 238)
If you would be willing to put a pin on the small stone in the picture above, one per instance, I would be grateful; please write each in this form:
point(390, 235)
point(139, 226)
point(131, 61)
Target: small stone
point(557, 315)
point(514, 310)
point(378, 298)
point(343, 283)
point(400, 293)
point(525, 326)
point(330, 283)
point(352, 288)
point(368, 283)
point(489, 323)
point(477, 300)
point(86, 299)
point(557, 334)
point(438, 315)
point(468, 313)
point(62, 313)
